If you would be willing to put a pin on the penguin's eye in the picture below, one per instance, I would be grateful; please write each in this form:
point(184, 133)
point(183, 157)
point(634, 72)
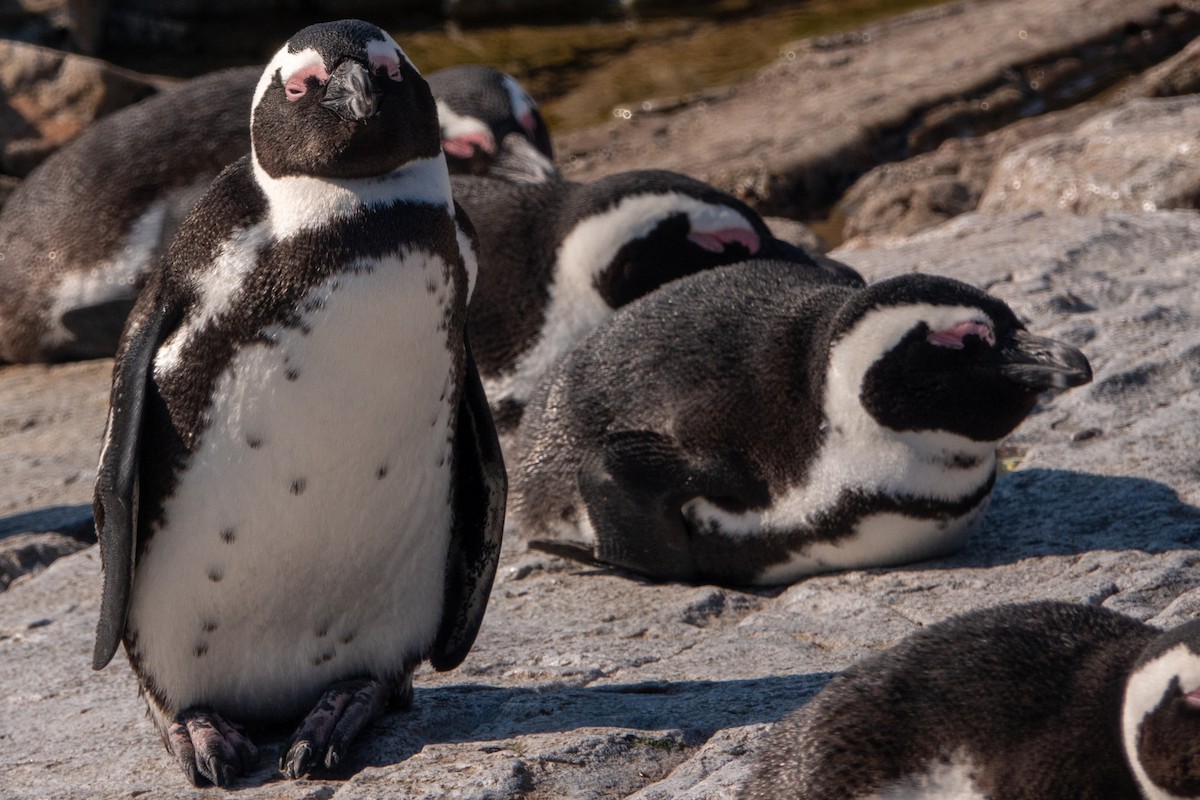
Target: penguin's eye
point(954, 336)
point(297, 85)
point(386, 65)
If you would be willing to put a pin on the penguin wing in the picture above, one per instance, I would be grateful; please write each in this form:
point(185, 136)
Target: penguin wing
point(634, 486)
point(116, 497)
point(478, 497)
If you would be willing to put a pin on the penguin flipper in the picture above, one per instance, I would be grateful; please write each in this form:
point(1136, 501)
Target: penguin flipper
point(635, 488)
point(116, 495)
point(478, 496)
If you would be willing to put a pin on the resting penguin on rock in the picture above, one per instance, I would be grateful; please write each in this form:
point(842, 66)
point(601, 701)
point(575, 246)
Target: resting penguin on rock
point(556, 259)
point(752, 425)
point(491, 126)
point(1028, 702)
point(79, 234)
point(300, 494)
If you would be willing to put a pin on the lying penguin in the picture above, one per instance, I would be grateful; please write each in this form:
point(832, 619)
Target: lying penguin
point(557, 258)
point(1020, 702)
point(300, 496)
point(79, 234)
point(754, 425)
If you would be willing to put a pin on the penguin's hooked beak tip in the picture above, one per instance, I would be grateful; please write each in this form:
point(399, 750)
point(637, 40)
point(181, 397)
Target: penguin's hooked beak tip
point(351, 93)
point(1039, 363)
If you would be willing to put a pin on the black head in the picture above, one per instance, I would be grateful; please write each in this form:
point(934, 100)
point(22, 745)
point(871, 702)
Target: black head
point(479, 107)
point(635, 231)
point(1160, 718)
point(341, 100)
point(926, 353)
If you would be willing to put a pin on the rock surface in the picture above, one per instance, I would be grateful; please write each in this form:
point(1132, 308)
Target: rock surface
point(587, 684)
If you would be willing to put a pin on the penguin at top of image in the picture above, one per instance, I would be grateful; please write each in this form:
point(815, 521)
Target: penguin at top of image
point(1017, 702)
point(557, 258)
point(68, 279)
point(301, 494)
point(751, 425)
point(491, 126)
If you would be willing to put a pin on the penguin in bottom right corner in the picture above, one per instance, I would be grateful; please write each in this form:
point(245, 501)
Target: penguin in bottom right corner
point(1038, 701)
point(758, 423)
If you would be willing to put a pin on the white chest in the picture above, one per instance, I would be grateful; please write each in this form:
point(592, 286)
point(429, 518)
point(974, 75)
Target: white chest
point(306, 540)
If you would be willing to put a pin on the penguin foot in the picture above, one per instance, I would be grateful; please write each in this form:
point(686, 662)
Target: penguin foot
point(326, 733)
point(209, 749)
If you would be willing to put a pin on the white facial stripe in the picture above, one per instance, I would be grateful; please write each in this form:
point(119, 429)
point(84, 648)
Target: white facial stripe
point(387, 48)
point(455, 125)
point(1144, 691)
point(298, 202)
point(521, 102)
point(285, 64)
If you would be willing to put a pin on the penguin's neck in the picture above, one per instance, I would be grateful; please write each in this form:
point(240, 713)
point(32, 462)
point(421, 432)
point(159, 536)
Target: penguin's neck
point(299, 202)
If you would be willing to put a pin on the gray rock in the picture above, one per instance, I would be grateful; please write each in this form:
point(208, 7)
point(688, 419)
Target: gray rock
point(833, 108)
point(1143, 156)
point(904, 197)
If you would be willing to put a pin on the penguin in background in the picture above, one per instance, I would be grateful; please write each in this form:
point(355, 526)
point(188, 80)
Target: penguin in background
point(1018, 702)
point(751, 425)
point(557, 258)
point(491, 126)
point(79, 235)
point(300, 494)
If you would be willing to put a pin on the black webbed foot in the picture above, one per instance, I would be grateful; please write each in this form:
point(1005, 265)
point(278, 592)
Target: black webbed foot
point(326, 733)
point(209, 749)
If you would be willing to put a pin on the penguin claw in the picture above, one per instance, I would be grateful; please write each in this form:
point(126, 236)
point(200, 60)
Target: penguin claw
point(326, 733)
point(210, 750)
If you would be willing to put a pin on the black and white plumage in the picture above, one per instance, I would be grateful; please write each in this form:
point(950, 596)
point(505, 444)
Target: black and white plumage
point(557, 258)
point(491, 126)
point(79, 234)
point(1025, 702)
point(754, 425)
point(300, 494)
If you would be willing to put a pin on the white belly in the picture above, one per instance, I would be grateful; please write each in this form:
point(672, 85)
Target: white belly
point(306, 541)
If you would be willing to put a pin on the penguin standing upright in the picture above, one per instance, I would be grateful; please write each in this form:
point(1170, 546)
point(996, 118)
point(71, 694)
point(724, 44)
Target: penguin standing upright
point(751, 425)
point(557, 258)
point(300, 494)
point(1022, 702)
point(491, 126)
point(79, 234)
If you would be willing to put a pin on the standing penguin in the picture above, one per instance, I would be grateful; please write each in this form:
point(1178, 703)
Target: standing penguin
point(1025, 702)
point(751, 425)
point(80, 233)
point(69, 279)
point(491, 126)
point(557, 258)
point(300, 494)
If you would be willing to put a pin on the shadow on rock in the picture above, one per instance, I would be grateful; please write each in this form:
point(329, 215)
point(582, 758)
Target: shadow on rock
point(74, 521)
point(474, 713)
point(1046, 512)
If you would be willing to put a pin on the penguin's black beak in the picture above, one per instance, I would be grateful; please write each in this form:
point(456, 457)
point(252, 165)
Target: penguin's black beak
point(351, 92)
point(1038, 363)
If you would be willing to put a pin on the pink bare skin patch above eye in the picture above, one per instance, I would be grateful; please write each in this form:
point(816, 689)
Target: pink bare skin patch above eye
point(389, 65)
point(717, 241)
point(953, 337)
point(464, 146)
point(1192, 699)
point(297, 85)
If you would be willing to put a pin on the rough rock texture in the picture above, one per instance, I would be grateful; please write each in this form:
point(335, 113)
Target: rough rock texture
point(908, 196)
point(1143, 156)
point(50, 96)
point(587, 684)
point(833, 108)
